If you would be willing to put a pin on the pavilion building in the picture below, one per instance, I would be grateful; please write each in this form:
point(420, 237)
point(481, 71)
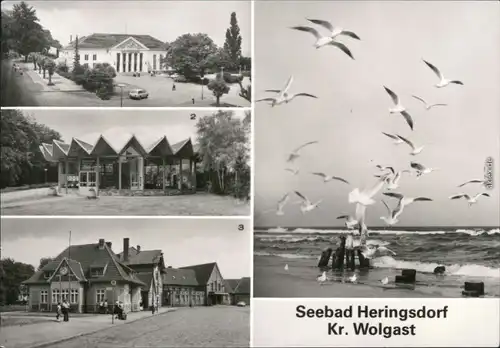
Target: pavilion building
point(124, 168)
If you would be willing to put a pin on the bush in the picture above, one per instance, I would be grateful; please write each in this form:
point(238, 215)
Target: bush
point(228, 78)
point(62, 68)
point(180, 78)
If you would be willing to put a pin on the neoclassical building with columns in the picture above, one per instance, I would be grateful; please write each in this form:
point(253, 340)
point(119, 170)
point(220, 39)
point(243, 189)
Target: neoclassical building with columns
point(126, 53)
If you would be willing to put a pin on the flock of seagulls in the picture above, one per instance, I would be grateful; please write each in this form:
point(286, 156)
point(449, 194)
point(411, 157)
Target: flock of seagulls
point(388, 176)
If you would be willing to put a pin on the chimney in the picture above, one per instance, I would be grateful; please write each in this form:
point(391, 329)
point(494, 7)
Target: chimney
point(101, 243)
point(109, 244)
point(125, 248)
point(138, 249)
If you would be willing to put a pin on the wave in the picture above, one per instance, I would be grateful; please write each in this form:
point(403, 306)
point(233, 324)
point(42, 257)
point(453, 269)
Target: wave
point(470, 232)
point(288, 238)
point(472, 270)
point(286, 256)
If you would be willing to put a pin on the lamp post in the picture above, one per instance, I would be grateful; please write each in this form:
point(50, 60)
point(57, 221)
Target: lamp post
point(45, 170)
point(120, 85)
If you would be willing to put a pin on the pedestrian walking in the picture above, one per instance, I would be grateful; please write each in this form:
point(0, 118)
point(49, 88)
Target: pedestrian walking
point(173, 87)
point(106, 306)
point(59, 311)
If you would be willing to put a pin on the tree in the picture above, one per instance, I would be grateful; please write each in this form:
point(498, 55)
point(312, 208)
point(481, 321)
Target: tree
point(76, 59)
point(218, 88)
point(8, 37)
point(51, 67)
point(27, 32)
point(22, 162)
point(13, 274)
point(223, 145)
point(245, 93)
point(189, 53)
point(44, 261)
point(246, 63)
point(232, 45)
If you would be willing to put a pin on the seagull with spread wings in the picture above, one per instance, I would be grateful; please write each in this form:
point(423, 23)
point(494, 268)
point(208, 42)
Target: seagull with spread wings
point(393, 180)
point(307, 206)
point(365, 197)
point(334, 31)
point(293, 171)
point(281, 205)
point(328, 178)
point(399, 108)
point(370, 250)
point(394, 137)
point(350, 222)
point(295, 153)
point(443, 82)
point(482, 182)
point(421, 169)
point(415, 150)
point(403, 201)
point(322, 41)
point(471, 200)
point(283, 96)
point(427, 105)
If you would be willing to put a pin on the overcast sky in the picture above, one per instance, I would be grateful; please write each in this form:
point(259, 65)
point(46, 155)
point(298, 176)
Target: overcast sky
point(118, 125)
point(164, 20)
point(184, 242)
point(461, 38)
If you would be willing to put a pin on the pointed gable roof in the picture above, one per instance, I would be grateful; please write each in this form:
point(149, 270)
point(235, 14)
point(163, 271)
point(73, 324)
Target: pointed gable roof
point(243, 286)
point(183, 148)
point(161, 148)
point(135, 144)
point(102, 147)
point(203, 271)
point(231, 284)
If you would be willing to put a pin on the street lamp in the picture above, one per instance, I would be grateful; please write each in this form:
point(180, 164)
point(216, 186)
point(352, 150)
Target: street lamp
point(121, 85)
point(45, 170)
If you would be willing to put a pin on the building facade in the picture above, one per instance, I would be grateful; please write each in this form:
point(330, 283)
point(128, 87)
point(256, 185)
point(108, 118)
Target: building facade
point(240, 290)
point(111, 168)
point(181, 289)
point(85, 275)
point(149, 267)
point(126, 53)
point(211, 281)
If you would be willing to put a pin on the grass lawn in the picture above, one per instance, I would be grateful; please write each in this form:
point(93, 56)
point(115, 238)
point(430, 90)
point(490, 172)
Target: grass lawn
point(200, 204)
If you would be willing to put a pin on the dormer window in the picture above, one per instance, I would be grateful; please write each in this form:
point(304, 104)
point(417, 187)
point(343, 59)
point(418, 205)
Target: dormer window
point(47, 274)
point(96, 272)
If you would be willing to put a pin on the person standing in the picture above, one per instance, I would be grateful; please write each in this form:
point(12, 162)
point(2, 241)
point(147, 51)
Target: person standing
point(59, 310)
point(105, 306)
point(65, 307)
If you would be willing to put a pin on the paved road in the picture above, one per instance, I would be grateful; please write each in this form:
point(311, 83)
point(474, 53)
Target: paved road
point(187, 327)
point(35, 92)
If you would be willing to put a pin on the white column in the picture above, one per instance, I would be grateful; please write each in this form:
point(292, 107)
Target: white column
point(125, 61)
point(59, 175)
point(66, 175)
point(141, 173)
point(135, 61)
point(180, 174)
point(163, 167)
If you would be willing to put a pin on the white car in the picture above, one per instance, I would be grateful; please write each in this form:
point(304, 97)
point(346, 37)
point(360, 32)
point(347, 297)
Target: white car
point(138, 94)
point(241, 304)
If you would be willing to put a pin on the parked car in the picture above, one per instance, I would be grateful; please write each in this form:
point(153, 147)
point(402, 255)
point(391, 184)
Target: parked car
point(138, 94)
point(241, 304)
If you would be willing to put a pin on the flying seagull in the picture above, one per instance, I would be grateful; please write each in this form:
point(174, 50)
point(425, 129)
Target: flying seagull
point(393, 180)
point(283, 96)
point(399, 108)
point(306, 203)
point(392, 218)
point(350, 222)
point(328, 178)
point(281, 204)
point(403, 202)
point(471, 200)
point(428, 106)
point(365, 197)
point(443, 82)
point(293, 171)
point(415, 149)
point(421, 169)
point(482, 182)
point(334, 31)
point(322, 41)
point(369, 250)
point(395, 138)
point(406, 200)
point(295, 153)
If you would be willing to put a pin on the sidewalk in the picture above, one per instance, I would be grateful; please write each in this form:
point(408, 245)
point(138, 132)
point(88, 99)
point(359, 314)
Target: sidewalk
point(61, 84)
point(48, 333)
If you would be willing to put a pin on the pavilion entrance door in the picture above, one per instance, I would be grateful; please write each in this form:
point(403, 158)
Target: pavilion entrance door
point(136, 171)
point(88, 181)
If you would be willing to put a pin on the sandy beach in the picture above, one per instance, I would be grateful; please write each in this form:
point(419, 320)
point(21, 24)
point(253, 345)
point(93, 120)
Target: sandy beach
point(272, 280)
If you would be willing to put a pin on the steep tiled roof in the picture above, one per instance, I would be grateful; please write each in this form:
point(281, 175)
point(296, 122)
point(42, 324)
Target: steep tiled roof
point(231, 284)
point(90, 255)
point(203, 272)
point(75, 268)
point(243, 286)
point(181, 277)
point(144, 257)
point(145, 277)
point(103, 146)
point(101, 40)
